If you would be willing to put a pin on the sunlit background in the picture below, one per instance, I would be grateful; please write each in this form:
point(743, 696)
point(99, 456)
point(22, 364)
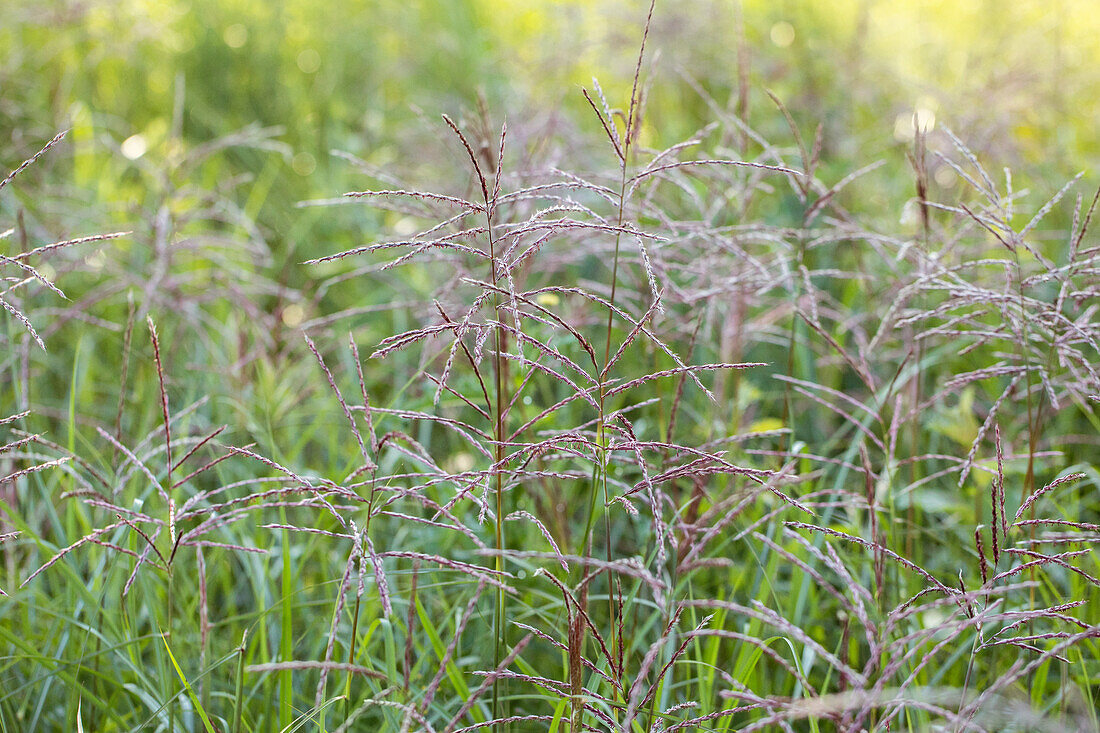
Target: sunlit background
point(210, 129)
point(1019, 80)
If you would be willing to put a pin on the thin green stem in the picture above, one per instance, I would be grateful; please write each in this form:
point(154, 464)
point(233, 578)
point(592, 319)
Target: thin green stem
point(238, 693)
point(599, 467)
point(602, 458)
point(358, 598)
point(1033, 429)
point(167, 634)
point(351, 657)
point(500, 615)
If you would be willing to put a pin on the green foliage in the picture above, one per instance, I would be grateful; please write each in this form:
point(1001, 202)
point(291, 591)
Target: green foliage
point(209, 522)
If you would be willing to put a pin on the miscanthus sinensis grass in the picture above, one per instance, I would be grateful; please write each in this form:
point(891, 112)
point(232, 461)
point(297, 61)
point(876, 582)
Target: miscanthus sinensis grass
point(674, 439)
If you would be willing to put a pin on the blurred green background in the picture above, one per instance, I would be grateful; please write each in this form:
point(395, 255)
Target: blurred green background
point(139, 80)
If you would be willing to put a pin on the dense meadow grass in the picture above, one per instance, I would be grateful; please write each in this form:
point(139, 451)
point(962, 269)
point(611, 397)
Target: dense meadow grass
point(699, 402)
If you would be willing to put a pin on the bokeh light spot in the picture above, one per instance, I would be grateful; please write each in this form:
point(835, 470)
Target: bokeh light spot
point(309, 61)
point(782, 34)
point(134, 146)
point(293, 315)
point(303, 164)
point(906, 124)
point(235, 35)
point(945, 177)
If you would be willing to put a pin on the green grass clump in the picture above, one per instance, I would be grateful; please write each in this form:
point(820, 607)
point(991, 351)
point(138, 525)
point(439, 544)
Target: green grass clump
point(599, 436)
